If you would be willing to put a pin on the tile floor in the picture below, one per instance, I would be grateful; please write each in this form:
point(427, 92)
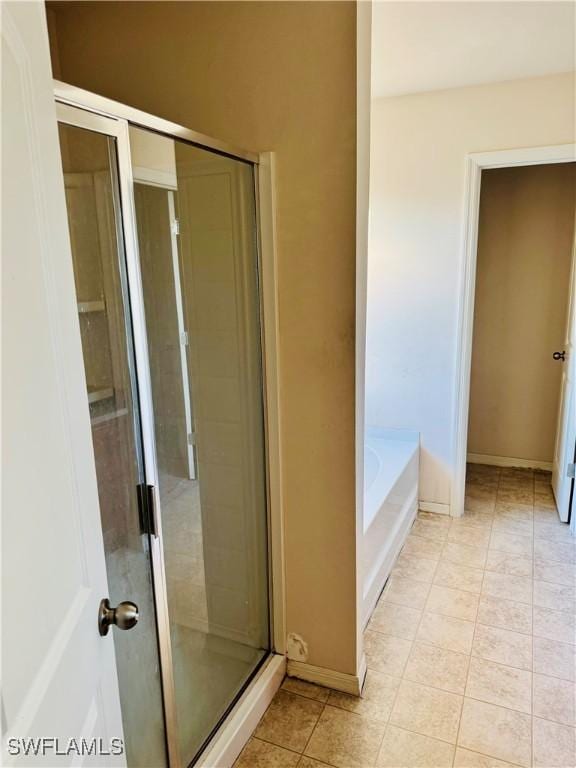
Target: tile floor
point(470, 651)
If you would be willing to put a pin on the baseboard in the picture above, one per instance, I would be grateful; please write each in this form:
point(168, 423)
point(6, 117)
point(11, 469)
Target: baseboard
point(329, 678)
point(233, 734)
point(506, 461)
point(434, 506)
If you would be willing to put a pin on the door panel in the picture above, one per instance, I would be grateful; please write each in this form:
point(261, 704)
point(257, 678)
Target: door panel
point(89, 163)
point(214, 526)
point(59, 678)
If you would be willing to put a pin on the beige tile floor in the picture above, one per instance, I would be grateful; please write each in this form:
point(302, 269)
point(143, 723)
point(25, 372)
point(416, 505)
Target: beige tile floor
point(470, 651)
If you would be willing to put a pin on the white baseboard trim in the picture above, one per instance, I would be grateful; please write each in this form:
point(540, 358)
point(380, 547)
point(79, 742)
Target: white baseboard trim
point(507, 461)
point(329, 678)
point(434, 506)
point(233, 734)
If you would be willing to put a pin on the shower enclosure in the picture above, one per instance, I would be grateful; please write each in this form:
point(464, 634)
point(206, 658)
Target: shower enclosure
point(165, 253)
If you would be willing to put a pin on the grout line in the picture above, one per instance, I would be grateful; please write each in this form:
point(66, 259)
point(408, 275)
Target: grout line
point(309, 739)
point(471, 649)
point(506, 629)
point(473, 637)
point(555, 722)
point(272, 743)
point(303, 695)
point(417, 733)
point(412, 644)
point(290, 693)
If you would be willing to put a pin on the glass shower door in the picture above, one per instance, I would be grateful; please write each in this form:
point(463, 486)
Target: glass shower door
point(171, 345)
point(89, 160)
point(195, 213)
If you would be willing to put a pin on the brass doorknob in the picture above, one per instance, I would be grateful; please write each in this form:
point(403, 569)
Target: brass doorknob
point(124, 616)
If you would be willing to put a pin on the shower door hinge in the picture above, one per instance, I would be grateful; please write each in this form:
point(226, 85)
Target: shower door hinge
point(191, 438)
point(147, 509)
point(175, 227)
point(571, 470)
point(184, 338)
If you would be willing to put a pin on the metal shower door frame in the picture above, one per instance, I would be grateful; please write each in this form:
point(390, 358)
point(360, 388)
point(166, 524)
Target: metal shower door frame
point(142, 389)
point(85, 109)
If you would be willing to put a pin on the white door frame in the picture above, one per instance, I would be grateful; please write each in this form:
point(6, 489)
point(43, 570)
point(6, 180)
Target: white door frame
point(475, 164)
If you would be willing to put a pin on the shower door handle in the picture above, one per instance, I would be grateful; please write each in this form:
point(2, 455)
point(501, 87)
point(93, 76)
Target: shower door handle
point(124, 616)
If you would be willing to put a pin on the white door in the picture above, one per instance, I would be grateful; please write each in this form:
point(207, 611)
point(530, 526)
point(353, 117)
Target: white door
point(562, 472)
point(60, 678)
point(74, 532)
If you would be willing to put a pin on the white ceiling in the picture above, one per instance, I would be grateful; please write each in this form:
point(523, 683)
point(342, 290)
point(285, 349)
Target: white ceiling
point(426, 46)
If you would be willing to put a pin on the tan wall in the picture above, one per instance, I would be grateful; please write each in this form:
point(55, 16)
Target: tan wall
point(270, 76)
point(524, 251)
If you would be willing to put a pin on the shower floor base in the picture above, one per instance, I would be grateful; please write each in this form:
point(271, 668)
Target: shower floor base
point(209, 673)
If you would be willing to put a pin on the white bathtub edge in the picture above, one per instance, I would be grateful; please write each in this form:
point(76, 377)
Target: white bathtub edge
point(407, 435)
point(376, 580)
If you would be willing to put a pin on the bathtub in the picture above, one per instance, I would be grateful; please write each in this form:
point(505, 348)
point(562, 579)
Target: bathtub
point(390, 504)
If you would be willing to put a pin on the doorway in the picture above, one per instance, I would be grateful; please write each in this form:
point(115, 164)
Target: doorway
point(163, 236)
point(516, 366)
